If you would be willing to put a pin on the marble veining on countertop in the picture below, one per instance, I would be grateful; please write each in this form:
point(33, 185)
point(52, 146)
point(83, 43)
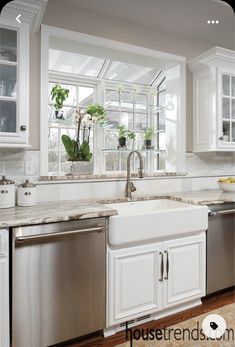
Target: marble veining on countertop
point(205, 197)
point(51, 212)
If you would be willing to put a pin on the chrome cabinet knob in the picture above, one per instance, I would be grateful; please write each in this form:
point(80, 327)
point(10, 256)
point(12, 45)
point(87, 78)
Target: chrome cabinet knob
point(23, 128)
point(221, 137)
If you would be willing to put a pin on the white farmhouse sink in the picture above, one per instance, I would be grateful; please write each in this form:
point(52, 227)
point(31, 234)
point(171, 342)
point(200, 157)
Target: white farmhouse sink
point(154, 220)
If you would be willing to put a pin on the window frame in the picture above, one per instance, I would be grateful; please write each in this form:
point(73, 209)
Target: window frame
point(175, 69)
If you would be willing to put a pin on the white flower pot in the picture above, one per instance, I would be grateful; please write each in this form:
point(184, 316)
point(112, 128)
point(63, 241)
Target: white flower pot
point(82, 168)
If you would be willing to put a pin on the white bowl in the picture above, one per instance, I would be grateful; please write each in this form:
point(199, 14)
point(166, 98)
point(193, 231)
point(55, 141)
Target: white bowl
point(227, 187)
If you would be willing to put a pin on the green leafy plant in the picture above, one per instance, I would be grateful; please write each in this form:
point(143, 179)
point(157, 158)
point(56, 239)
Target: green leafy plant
point(75, 151)
point(123, 132)
point(59, 95)
point(97, 113)
point(149, 134)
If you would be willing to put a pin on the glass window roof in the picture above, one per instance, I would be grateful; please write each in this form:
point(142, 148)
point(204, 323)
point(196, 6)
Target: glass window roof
point(90, 66)
point(74, 63)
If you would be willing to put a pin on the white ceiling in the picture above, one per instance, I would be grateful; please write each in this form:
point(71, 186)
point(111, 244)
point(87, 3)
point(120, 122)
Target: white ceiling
point(184, 17)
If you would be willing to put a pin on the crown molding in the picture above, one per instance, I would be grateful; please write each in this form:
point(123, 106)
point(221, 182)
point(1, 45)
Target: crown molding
point(212, 56)
point(32, 12)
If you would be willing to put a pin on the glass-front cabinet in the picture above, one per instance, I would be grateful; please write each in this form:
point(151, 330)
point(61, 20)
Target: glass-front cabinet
point(228, 109)
point(14, 84)
point(214, 100)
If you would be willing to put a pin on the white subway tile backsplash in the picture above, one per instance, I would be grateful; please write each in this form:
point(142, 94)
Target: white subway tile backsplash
point(203, 172)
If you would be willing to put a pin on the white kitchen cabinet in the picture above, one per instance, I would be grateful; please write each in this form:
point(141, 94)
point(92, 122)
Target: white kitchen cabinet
point(152, 278)
point(214, 100)
point(4, 288)
point(134, 286)
point(14, 83)
point(184, 277)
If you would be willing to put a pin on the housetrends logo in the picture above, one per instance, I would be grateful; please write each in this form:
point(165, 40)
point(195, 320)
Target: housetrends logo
point(177, 334)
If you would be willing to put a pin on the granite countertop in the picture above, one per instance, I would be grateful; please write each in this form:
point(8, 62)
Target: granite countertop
point(74, 210)
point(205, 197)
point(52, 212)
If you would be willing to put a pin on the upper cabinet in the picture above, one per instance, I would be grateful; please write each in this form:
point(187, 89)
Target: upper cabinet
point(214, 100)
point(14, 83)
point(14, 68)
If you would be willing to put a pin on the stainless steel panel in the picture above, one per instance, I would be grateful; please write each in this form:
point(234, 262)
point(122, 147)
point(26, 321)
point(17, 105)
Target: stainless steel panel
point(220, 252)
point(58, 283)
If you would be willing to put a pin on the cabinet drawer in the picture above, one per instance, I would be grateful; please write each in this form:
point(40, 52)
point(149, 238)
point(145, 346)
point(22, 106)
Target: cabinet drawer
point(3, 243)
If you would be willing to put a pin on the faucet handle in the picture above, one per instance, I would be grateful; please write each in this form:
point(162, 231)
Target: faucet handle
point(132, 187)
point(140, 173)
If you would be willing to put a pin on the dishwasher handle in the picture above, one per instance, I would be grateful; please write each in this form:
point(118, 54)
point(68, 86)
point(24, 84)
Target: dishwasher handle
point(21, 240)
point(221, 213)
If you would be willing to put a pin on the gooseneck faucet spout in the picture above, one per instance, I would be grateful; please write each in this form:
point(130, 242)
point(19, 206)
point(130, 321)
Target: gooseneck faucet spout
point(130, 188)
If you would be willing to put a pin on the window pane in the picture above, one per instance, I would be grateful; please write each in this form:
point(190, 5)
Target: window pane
point(8, 49)
point(233, 132)
point(111, 99)
point(226, 108)
point(127, 101)
point(111, 139)
point(141, 102)
point(86, 96)
point(233, 108)
point(53, 139)
point(74, 63)
point(121, 71)
point(7, 80)
point(7, 116)
point(141, 122)
point(233, 85)
point(226, 84)
point(226, 131)
point(111, 161)
point(53, 161)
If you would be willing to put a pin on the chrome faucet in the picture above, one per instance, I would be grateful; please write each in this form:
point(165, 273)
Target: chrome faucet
point(130, 188)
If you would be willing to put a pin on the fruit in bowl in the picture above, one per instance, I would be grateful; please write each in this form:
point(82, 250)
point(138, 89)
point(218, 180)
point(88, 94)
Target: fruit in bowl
point(227, 184)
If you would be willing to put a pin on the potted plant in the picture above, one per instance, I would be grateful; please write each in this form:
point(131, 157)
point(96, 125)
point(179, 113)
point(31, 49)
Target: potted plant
point(148, 136)
point(59, 95)
point(97, 113)
point(78, 150)
point(123, 134)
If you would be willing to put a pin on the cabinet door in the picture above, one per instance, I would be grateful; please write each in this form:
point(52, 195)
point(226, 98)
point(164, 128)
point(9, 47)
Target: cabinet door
point(4, 289)
point(14, 98)
point(227, 111)
point(184, 275)
point(134, 286)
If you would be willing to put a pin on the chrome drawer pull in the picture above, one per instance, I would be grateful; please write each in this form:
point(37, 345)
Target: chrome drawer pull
point(27, 193)
point(162, 267)
point(167, 265)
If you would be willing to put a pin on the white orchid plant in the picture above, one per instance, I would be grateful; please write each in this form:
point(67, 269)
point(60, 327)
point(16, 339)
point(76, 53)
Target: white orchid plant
point(79, 149)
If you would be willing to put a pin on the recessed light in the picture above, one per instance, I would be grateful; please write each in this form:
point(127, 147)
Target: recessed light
point(217, 21)
point(213, 22)
point(209, 22)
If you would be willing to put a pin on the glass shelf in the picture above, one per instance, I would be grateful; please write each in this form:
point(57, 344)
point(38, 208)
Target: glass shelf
point(106, 150)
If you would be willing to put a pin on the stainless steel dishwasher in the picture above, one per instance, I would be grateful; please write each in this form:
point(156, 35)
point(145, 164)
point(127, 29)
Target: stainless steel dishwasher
point(58, 282)
point(221, 247)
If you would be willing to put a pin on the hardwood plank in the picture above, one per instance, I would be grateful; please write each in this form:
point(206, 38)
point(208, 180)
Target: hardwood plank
point(208, 304)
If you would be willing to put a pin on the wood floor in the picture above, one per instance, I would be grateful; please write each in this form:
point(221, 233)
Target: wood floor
point(209, 303)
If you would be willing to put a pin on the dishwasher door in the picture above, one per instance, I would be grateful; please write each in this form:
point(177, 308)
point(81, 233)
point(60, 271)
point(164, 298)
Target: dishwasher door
point(220, 251)
point(58, 282)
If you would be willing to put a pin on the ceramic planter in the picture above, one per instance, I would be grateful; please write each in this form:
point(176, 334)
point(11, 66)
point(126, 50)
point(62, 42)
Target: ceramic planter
point(122, 142)
point(82, 167)
point(148, 144)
